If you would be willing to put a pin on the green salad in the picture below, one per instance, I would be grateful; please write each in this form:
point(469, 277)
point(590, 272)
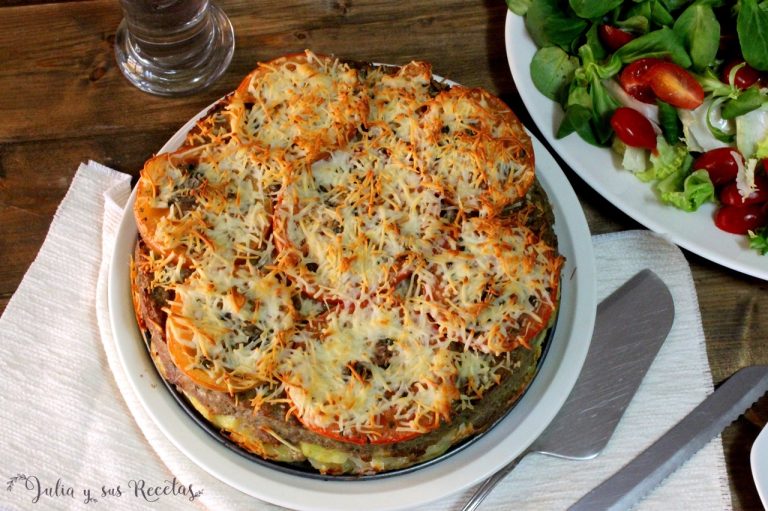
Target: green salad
point(677, 88)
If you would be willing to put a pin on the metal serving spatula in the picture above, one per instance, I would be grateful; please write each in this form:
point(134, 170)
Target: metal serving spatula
point(630, 326)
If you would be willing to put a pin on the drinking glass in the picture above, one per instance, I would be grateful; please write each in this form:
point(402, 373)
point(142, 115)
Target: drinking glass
point(173, 47)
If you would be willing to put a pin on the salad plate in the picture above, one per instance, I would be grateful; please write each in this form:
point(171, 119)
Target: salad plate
point(759, 463)
point(498, 446)
point(601, 169)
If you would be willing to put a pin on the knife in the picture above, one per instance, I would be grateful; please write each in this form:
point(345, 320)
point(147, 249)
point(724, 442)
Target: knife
point(630, 326)
point(668, 453)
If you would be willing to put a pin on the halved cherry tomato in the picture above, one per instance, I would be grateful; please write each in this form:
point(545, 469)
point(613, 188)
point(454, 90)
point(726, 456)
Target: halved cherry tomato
point(745, 77)
point(613, 38)
point(730, 195)
point(633, 128)
point(675, 85)
point(741, 219)
point(720, 163)
point(634, 80)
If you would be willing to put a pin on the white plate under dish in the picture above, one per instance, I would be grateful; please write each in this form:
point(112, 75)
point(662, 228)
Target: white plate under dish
point(602, 171)
point(758, 459)
point(524, 423)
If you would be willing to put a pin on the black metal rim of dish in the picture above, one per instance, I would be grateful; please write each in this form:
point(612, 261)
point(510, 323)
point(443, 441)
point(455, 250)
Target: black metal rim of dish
point(304, 469)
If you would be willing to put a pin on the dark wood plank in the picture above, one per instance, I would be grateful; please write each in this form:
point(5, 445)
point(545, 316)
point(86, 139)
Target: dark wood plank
point(35, 175)
point(68, 78)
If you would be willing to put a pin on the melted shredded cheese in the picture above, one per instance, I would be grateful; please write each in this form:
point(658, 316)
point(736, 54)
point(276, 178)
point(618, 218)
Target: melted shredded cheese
point(340, 239)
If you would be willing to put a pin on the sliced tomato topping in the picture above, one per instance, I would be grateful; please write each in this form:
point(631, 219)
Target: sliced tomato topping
point(147, 216)
point(634, 80)
point(499, 257)
point(184, 357)
point(386, 435)
point(675, 85)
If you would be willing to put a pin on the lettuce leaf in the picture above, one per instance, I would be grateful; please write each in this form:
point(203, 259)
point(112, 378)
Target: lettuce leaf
point(761, 149)
point(667, 160)
point(687, 192)
point(759, 240)
point(674, 183)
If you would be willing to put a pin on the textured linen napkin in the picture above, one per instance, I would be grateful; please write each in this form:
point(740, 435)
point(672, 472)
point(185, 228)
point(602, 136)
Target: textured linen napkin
point(71, 429)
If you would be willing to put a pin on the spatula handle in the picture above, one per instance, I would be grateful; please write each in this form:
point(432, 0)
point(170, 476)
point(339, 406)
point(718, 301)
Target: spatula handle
point(489, 484)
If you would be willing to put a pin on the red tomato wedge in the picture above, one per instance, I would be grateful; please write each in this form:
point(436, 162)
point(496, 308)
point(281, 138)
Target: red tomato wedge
point(634, 80)
point(675, 85)
point(612, 37)
point(633, 128)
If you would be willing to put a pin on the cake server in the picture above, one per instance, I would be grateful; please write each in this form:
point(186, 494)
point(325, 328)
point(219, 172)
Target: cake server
point(630, 327)
point(668, 453)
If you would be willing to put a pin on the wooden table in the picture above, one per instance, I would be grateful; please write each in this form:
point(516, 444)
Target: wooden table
point(63, 101)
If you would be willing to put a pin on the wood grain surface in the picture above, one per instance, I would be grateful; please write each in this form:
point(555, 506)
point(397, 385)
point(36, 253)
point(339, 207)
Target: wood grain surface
point(63, 101)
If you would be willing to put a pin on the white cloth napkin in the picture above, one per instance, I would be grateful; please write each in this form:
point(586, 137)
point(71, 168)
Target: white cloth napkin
point(69, 422)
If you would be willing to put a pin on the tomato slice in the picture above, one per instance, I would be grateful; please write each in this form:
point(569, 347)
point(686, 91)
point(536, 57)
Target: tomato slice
point(634, 80)
point(675, 85)
point(387, 435)
point(184, 357)
point(633, 128)
point(612, 37)
point(741, 219)
point(720, 163)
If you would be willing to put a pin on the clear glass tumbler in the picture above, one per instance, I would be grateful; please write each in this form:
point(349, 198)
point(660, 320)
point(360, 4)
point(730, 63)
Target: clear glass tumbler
point(173, 47)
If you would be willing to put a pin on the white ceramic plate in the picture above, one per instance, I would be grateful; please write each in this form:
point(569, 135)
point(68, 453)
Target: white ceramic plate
point(496, 448)
point(758, 459)
point(602, 171)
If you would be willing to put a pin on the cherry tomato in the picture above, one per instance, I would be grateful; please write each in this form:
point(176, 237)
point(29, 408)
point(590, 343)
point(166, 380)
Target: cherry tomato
point(675, 85)
point(613, 38)
point(730, 195)
point(633, 128)
point(741, 219)
point(745, 77)
point(720, 163)
point(634, 80)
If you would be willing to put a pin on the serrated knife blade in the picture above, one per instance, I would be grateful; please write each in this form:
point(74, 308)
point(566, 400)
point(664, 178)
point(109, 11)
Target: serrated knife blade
point(633, 482)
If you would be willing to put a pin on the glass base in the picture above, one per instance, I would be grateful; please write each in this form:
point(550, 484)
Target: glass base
point(158, 76)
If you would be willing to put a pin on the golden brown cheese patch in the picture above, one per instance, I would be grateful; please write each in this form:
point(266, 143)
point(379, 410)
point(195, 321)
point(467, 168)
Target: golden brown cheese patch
point(476, 150)
point(208, 200)
point(376, 374)
point(352, 224)
point(495, 287)
point(305, 103)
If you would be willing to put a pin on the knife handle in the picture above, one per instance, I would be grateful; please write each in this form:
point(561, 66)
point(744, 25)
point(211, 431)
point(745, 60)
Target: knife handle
point(489, 484)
